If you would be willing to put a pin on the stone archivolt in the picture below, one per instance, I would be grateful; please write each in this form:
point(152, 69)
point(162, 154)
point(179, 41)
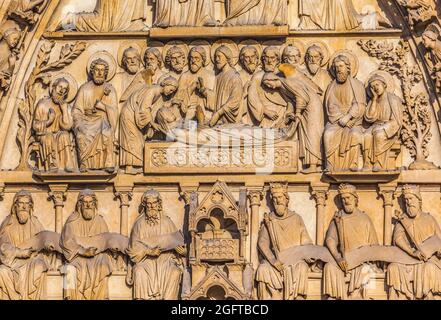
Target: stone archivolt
point(218, 102)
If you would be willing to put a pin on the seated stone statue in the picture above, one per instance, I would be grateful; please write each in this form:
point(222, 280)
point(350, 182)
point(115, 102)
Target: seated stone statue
point(52, 125)
point(156, 249)
point(257, 12)
point(281, 230)
point(23, 269)
point(350, 229)
point(385, 114)
point(419, 281)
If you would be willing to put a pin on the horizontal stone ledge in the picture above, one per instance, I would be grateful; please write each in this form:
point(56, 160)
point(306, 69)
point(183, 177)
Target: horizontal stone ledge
point(73, 35)
point(348, 33)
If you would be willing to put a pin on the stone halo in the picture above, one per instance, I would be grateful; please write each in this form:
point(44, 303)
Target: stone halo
point(106, 57)
point(228, 43)
point(174, 43)
point(325, 50)
point(73, 84)
point(295, 43)
point(207, 47)
point(387, 76)
point(126, 45)
point(355, 64)
point(253, 43)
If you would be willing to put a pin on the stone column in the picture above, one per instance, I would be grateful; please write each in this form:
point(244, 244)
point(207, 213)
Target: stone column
point(255, 196)
point(387, 193)
point(57, 192)
point(320, 194)
point(124, 194)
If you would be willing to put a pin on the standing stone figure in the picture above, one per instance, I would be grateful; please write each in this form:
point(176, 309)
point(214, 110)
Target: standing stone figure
point(131, 62)
point(22, 270)
point(281, 230)
point(87, 271)
point(419, 281)
point(345, 103)
point(175, 61)
point(350, 229)
point(385, 113)
point(249, 62)
point(431, 40)
point(95, 115)
point(314, 61)
point(225, 100)
point(52, 124)
point(137, 121)
point(184, 13)
point(156, 248)
point(257, 12)
point(8, 56)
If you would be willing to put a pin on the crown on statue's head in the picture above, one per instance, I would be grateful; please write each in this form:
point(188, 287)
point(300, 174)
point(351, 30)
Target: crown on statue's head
point(279, 187)
point(347, 188)
point(412, 189)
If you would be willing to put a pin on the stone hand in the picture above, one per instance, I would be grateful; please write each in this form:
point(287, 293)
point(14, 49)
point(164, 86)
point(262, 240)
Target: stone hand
point(181, 250)
point(279, 265)
point(272, 115)
point(155, 252)
point(144, 118)
point(27, 253)
point(344, 120)
point(343, 264)
point(89, 252)
point(215, 119)
point(419, 255)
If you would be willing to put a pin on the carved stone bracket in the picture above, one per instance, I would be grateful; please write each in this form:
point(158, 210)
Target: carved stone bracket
point(124, 194)
point(320, 194)
point(58, 194)
point(387, 193)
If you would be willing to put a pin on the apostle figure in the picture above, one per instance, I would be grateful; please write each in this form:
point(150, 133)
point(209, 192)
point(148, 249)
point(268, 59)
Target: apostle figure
point(281, 230)
point(184, 13)
point(385, 113)
point(249, 62)
point(87, 271)
point(95, 115)
point(131, 62)
point(153, 73)
point(137, 121)
point(191, 98)
point(292, 55)
point(257, 12)
point(314, 61)
point(8, 56)
point(52, 124)
point(350, 229)
point(175, 61)
point(108, 16)
point(156, 248)
point(328, 15)
point(225, 101)
point(419, 281)
point(22, 270)
point(345, 103)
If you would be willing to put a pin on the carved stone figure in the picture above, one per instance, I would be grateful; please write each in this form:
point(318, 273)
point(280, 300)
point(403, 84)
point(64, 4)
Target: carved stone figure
point(192, 99)
point(225, 100)
point(137, 120)
point(431, 40)
point(108, 15)
point(175, 61)
point(156, 248)
point(327, 15)
point(292, 55)
point(257, 12)
point(131, 62)
point(26, 11)
point(249, 61)
point(52, 125)
point(153, 73)
point(420, 281)
point(185, 13)
point(22, 269)
point(95, 115)
point(385, 114)
point(345, 103)
point(8, 56)
point(314, 57)
point(87, 270)
point(419, 11)
point(304, 114)
point(350, 229)
point(281, 230)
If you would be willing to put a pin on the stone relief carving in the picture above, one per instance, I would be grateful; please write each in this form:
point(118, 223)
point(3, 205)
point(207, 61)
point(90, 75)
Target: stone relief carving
point(260, 12)
point(419, 11)
point(191, 13)
point(431, 39)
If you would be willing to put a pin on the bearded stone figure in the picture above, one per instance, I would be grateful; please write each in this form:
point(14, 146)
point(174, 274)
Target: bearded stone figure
point(156, 249)
point(384, 112)
point(184, 13)
point(175, 61)
point(8, 56)
point(137, 121)
point(314, 60)
point(23, 270)
point(419, 281)
point(131, 62)
point(95, 117)
point(349, 229)
point(52, 125)
point(257, 12)
point(87, 270)
point(345, 104)
point(281, 230)
point(249, 61)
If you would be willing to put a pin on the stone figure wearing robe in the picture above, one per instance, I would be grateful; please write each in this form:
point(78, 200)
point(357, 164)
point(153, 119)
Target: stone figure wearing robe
point(108, 16)
point(131, 62)
point(27, 11)
point(86, 271)
point(8, 56)
point(423, 280)
point(95, 115)
point(305, 113)
point(22, 270)
point(345, 103)
point(385, 114)
point(137, 120)
point(281, 230)
point(192, 99)
point(257, 12)
point(175, 61)
point(314, 60)
point(225, 101)
point(431, 39)
point(156, 255)
point(350, 229)
point(184, 13)
point(52, 124)
point(328, 15)
point(153, 73)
